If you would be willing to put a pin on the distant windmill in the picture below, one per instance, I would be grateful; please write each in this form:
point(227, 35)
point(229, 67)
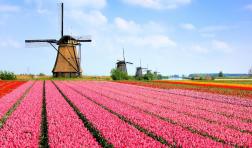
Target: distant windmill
point(139, 70)
point(250, 72)
point(68, 61)
point(148, 71)
point(156, 73)
point(121, 64)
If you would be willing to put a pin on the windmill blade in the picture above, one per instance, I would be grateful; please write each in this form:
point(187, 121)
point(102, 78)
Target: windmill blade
point(89, 40)
point(45, 40)
point(123, 55)
point(84, 37)
point(61, 6)
point(39, 43)
point(129, 63)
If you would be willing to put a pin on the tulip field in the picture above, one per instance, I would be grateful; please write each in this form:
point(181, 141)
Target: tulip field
point(110, 114)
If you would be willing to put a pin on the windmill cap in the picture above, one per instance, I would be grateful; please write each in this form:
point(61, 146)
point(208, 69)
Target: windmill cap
point(121, 62)
point(67, 39)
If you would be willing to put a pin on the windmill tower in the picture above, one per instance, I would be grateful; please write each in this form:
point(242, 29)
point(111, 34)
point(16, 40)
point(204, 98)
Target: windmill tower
point(121, 64)
point(68, 60)
point(139, 70)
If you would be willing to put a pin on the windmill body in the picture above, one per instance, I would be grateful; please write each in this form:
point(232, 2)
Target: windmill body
point(122, 64)
point(67, 63)
point(68, 60)
point(139, 72)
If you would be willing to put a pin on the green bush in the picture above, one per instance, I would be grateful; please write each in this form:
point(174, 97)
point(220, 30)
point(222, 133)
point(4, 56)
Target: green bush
point(149, 76)
point(41, 74)
point(119, 75)
point(5, 75)
point(159, 77)
point(221, 74)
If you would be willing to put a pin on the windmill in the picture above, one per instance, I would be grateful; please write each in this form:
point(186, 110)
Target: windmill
point(148, 71)
point(121, 64)
point(156, 73)
point(68, 61)
point(139, 70)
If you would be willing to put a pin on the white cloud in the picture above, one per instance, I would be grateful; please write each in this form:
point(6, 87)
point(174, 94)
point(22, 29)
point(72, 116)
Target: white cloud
point(221, 46)
point(199, 49)
point(188, 26)
point(208, 35)
point(217, 28)
point(9, 8)
point(9, 43)
point(248, 7)
point(214, 30)
point(148, 42)
point(93, 17)
point(146, 35)
point(159, 41)
point(132, 27)
point(128, 26)
point(40, 7)
point(159, 4)
point(96, 4)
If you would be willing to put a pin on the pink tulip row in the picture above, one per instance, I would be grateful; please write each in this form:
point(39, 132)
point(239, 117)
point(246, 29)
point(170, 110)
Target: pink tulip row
point(217, 107)
point(234, 137)
point(65, 129)
point(172, 133)
point(245, 106)
point(116, 131)
point(7, 101)
point(215, 97)
point(209, 116)
point(22, 129)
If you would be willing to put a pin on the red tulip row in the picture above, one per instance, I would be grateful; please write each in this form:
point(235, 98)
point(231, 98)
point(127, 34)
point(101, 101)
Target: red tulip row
point(220, 132)
point(22, 129)
point(207, 84)
point(118, 132)
point(7, 86)
point(64, 126)
point(7, 101)
point(2, 83)
point(174, 134)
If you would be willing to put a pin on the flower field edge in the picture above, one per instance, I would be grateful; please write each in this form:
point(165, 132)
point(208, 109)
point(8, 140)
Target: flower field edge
point(239, 92)
point(14, 106)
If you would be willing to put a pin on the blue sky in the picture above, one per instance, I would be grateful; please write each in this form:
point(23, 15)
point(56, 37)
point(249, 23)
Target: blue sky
point(171, 36)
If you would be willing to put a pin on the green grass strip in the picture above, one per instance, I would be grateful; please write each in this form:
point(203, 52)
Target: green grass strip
point(43, 143)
